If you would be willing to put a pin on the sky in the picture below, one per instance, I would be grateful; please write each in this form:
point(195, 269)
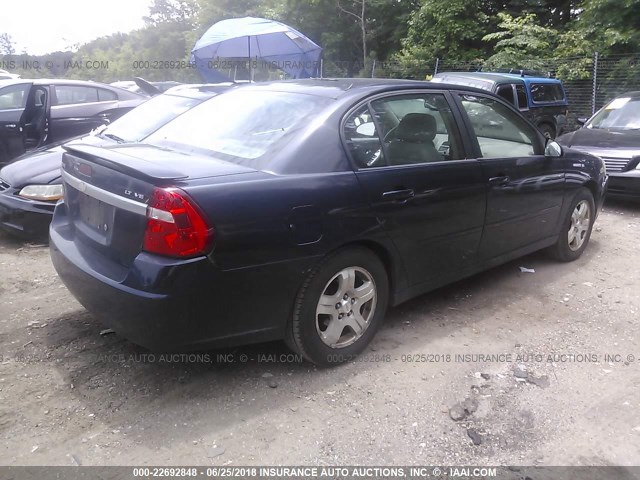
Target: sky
point(44, 26)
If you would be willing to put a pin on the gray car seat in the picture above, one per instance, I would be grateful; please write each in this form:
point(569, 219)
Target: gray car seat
point(413, 140)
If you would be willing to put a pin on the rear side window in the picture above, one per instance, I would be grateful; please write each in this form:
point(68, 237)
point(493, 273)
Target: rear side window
point(106, 95)
point(413, 129)
point(362, 139)
point(73, 94)
point(506, 92)
point(523, 104)
point(546, 92)
point(14, 97)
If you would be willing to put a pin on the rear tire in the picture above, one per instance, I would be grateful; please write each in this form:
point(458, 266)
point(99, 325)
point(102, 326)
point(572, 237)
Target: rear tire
point(576, 228)
point(339, 307)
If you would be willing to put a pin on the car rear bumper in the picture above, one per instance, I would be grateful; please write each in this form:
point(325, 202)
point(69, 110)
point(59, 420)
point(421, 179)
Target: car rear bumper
point(26, 218)
point(179, 305)
point(625, 185)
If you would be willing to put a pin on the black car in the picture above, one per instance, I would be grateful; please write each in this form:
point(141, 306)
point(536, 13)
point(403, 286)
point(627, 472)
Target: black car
point(541, 100)
point(31, 185)
point(143, 87)
point(613, 134)
point(34, 113)
point(303, 209)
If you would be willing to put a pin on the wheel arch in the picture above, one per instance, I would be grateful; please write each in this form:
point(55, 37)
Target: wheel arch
point(392, 265)
point(593, 188)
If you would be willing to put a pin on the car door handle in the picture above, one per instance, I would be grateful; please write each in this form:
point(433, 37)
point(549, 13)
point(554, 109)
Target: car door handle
point(503, 180)
point(396, 195)
point(11, 126)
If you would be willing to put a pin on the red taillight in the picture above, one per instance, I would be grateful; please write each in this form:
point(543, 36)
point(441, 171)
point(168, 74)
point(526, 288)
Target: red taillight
point(175, 225)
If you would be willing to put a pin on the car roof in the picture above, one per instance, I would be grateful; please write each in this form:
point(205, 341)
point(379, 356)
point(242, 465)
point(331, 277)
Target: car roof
point(483, 78)
point(343, 87)
point(199, 90)
point(497, 77)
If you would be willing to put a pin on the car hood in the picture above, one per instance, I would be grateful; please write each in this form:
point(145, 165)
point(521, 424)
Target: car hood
point(42, 166)
point(602, 138)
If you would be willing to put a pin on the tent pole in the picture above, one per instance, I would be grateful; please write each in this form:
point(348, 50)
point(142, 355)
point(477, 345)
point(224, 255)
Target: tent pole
point(250, 62)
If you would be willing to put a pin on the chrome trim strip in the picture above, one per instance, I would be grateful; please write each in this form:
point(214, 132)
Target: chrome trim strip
point(104, 195)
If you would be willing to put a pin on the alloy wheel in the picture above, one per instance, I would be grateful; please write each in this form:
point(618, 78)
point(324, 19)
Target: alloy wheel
point(346, 306)
point(579, 227)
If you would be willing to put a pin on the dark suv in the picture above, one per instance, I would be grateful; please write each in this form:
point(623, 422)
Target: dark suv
point(542, 100)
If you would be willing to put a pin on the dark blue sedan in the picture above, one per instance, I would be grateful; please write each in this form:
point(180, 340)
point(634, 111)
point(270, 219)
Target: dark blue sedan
point(301, 210)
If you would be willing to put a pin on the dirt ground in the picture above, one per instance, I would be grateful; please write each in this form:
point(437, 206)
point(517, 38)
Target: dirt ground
point(527, 351)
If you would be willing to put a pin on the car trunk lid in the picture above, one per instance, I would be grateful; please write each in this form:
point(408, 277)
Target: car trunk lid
point(107, 192)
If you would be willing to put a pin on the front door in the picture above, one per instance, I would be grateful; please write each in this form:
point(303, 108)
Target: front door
point(411, 163)
point(13, 100)
point(525, 189)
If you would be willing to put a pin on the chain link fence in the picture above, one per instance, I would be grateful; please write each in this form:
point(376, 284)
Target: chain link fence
point(589, 81)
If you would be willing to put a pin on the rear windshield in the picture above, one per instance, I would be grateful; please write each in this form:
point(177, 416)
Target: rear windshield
point(546, 92)
point(242, 126)
point(148, 117)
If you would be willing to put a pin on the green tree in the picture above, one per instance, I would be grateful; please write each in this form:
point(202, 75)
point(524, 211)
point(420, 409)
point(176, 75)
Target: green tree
point(6, 44)
point(212, 11)
point(609, 26)
point(452, 30)
point(521, 42)
point(173, 11)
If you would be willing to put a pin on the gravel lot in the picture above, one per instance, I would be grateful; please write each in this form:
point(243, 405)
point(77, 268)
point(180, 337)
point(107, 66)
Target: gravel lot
point(69, 395)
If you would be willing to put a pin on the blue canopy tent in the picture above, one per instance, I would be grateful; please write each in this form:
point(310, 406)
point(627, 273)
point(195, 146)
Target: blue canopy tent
point(274, 43)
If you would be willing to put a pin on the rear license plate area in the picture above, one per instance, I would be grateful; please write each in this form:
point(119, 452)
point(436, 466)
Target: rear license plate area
point(96, 215)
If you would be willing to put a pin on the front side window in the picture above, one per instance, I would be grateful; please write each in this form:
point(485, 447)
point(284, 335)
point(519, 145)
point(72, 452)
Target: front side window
point(14, 97)
point(74, 94)
point(501, 133)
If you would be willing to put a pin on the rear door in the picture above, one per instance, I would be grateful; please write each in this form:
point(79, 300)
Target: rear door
point(13, 100)
point(78, 109)
point(422, 188)
point(524, 188)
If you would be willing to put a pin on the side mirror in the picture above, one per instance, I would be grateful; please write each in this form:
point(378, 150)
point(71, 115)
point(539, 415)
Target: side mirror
point(552, 149)
point(581, 121)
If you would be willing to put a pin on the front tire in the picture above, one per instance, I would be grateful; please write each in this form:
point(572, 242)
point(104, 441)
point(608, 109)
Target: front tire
point(339, 307)
point(576, 229)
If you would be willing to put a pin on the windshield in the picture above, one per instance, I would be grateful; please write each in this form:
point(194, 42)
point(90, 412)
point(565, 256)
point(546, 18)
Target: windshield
point(148, 117)
point(240, 126)
point(622, 113)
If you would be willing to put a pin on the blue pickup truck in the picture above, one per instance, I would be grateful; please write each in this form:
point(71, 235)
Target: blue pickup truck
point(541, 99)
